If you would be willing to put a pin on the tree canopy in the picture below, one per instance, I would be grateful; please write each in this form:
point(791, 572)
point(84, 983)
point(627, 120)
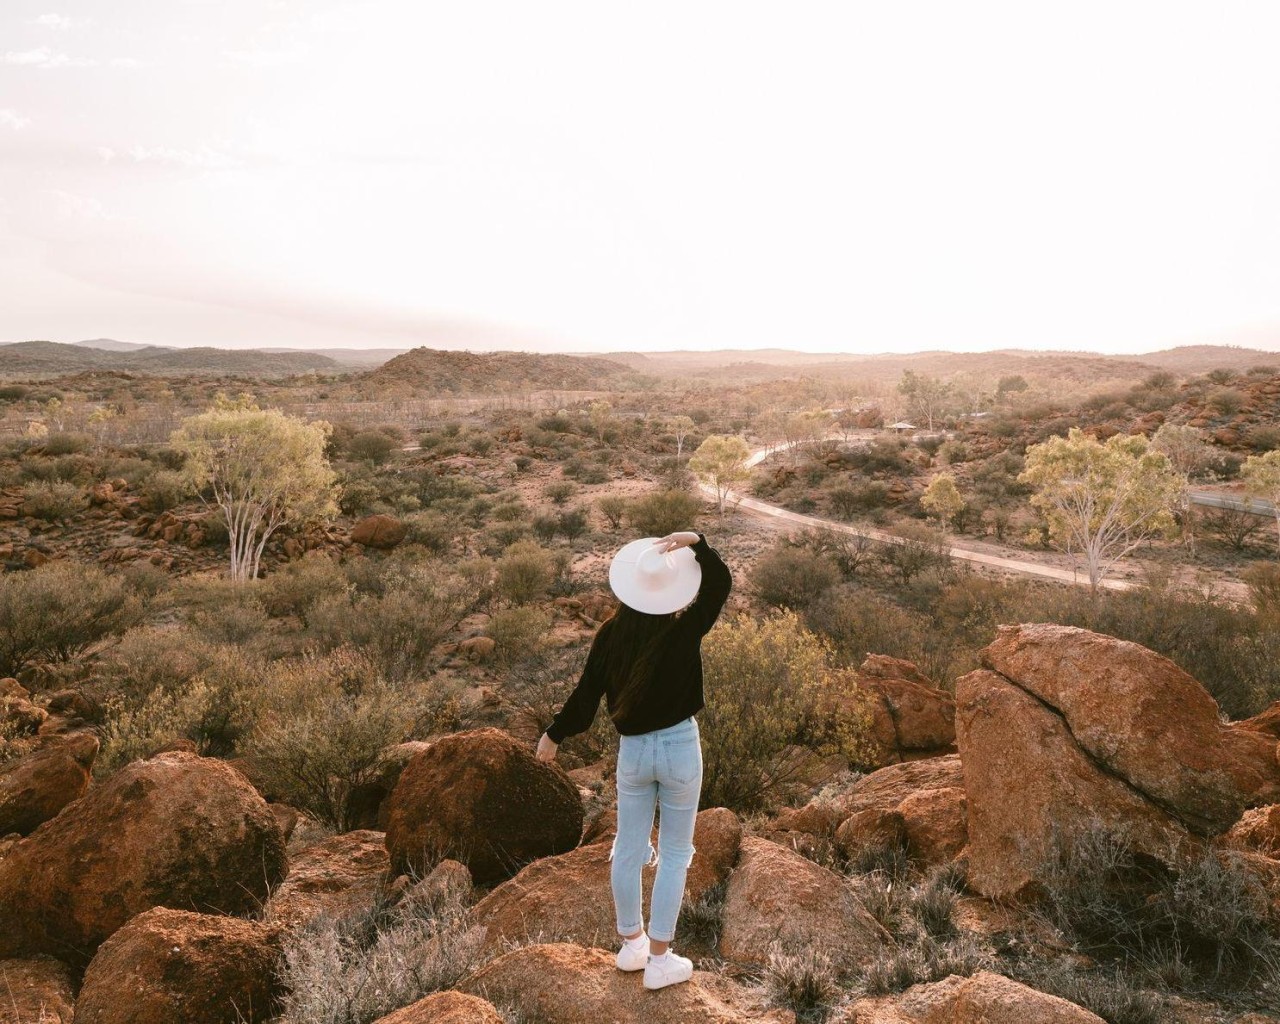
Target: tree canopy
point(1103, 499)
point(263, 467)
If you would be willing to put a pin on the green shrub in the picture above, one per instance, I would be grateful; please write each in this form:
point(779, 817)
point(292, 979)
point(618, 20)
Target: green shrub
point(560, 491)
point(165, 489)
point(662, 512)
point(614, 508)
point(790, 577)
point(771, 678)
point(372, 446)
point(52, 501)
point(319, 753)
point(572, 523)
point(65, 443)
point(518, 633)
point(398, 628)
point(525, 572)
point(294, 588)
point(58, 611)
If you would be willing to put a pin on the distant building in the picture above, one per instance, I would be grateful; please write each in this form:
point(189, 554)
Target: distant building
point(901, 427)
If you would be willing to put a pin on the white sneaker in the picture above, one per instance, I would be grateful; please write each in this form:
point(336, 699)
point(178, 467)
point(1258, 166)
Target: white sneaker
point(668, 971)
point(633, 956)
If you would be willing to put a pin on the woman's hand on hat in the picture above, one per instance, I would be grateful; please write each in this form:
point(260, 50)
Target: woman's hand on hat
point(547, 748)
point(671, 541)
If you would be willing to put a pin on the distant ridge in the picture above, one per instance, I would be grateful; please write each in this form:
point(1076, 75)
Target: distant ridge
point(450, 370)
point(111, 345)
point(41, 358)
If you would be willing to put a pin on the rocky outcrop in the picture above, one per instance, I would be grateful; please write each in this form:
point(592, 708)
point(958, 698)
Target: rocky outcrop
point(985, 998)
point(560, 983)
point(367, 804)
point(569, 897)
point(379, 531)
point(36, 991)
point(18, 714)
point(1258, 830)
point(177, 830)
point(911, 718)
point(338, 876)
point(1067, 731)
point(172, 965)
point(775, 894)
point(926, 800)
point(481, 798)
point(1031, 787)
point(1132, 712)
point(36, 787)
point(446, 1008)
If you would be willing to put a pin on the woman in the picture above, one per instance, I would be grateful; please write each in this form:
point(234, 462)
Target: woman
point(647, 659)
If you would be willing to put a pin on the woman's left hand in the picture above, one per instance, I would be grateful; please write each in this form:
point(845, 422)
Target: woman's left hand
point(547, 748)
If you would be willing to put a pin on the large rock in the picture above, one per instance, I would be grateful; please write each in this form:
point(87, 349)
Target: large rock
point(985, 998)
point(1254, 763)
point(911, 717)
point(177, 830)
point(337, 877)
point(379, 531)
point(1258, 830)
point(560, 983)
point(167, 965)
point(1133, 712)
point(446, 1008)
point(924, 801)
point(481, 798)
point(36, 991)
point(36, 787)
point(1029, 786)
point(367, 804)
point(776, 894)
point(569, 897)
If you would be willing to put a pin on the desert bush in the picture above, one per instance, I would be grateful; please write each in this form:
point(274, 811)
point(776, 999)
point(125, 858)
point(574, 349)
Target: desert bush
point(399, 627)
point(432, 529)
point(614, 509)
point(59, 611)
point(53, 501)
point(803, 979)
point(526, 571)
point(1110, 995)
point(572, 522)
point(560, 491)
point(293, 589)
point(662, 512)
point(239, 620)
point(790, 577)
point(67, 443)
point(545, 527)
point(357, 968)
point(846, 501)
point(1209, 911)
point(772, 679)
point(164, 489)
point(371, 446)
point(1263, 579)
point(518, 633)
point(1226, 401)
point(318, 753)
point(917, 548)
point(896, 970)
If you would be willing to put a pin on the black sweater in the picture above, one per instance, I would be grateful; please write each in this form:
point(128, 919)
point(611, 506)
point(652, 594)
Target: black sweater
point(676, 688)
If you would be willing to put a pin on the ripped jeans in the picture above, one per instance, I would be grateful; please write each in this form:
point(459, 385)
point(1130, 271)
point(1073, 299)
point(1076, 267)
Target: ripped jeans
point(663, 767)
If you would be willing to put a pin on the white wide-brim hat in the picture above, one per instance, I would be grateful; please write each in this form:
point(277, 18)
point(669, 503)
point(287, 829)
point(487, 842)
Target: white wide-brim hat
point(650, 580)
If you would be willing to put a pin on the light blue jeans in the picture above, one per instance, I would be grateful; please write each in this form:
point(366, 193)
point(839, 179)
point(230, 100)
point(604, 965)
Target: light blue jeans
point(663, 767)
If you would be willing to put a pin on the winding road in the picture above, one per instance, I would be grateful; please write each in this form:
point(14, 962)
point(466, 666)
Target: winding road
point(1013, 565)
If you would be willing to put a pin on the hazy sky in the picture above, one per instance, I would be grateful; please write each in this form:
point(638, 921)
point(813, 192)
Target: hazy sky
point(852, 176)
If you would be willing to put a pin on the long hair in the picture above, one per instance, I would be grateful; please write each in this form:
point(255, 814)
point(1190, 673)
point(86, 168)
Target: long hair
point(635, 643)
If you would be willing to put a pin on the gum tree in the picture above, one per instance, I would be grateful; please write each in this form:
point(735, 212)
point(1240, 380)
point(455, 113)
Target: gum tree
point(264, 468)
point(719, 461)
point(1261, 476)
point(1104, 499)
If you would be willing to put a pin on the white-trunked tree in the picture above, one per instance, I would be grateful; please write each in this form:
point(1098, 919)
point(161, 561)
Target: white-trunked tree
point(264, 469)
